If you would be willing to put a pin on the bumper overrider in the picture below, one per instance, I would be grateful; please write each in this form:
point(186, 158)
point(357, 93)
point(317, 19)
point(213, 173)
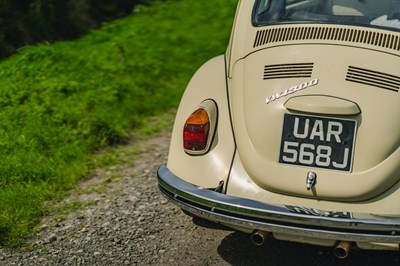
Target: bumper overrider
point(250, 214)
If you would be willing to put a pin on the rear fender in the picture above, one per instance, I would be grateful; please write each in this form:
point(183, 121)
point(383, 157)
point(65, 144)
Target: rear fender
point(208, 170)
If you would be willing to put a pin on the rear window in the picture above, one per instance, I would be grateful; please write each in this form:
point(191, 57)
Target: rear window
point(376, 13)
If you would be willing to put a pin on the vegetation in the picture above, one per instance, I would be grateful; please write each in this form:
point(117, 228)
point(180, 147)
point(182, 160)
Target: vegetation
point(61, 102)
point(25, 22)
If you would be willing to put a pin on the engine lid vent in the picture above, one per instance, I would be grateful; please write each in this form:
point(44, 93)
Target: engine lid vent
point(373, 78)
point(339, 34)
point(297, 70)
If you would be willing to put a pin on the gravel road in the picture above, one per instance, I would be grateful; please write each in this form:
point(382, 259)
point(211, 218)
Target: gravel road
point(124, 220)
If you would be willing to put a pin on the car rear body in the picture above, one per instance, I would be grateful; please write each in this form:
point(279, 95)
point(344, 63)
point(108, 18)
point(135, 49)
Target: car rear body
point(305, 135)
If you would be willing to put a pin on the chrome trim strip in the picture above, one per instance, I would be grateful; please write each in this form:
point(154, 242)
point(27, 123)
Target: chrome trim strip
point(241, 212)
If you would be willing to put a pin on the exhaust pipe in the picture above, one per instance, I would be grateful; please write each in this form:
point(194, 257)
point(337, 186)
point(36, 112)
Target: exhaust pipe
point(258, 237)
point(342, 249)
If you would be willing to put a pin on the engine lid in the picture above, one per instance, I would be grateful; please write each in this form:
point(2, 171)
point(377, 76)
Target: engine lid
point(327, 111)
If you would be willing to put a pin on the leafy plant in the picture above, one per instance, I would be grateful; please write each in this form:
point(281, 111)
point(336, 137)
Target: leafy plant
point(61, 102)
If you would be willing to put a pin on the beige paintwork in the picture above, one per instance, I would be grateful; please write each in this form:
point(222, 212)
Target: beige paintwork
point(321, 104)
point(207, 170)
point(376, 164)
point(260, 138)
point(246, 157)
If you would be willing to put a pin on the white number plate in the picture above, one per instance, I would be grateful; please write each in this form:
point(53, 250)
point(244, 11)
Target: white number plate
point(318, 142)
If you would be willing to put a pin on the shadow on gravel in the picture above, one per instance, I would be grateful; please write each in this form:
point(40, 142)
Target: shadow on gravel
point(237, 249)
point(210, 225)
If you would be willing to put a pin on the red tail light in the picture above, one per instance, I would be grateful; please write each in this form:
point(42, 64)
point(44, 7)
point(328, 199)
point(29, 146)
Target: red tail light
point(196, 131)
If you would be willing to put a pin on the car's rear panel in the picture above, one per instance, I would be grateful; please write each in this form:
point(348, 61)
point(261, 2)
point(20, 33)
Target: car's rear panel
point(354, 153)
point(312, 154)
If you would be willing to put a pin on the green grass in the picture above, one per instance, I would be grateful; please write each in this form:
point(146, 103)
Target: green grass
point(59, 103)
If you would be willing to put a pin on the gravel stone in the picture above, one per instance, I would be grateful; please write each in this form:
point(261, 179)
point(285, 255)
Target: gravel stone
point(129, 222)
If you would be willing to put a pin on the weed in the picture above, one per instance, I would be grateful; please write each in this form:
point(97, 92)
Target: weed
point(62, 102)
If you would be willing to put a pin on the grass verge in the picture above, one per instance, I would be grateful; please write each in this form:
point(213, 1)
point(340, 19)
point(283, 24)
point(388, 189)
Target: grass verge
point(61, 102)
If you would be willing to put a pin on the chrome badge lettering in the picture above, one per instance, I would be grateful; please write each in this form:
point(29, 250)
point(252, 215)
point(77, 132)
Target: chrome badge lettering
point(291, 90)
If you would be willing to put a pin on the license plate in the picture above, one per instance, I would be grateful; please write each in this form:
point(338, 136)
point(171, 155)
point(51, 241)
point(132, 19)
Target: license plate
point(320, 142)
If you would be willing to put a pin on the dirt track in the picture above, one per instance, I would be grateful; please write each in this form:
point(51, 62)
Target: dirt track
point(128, 222)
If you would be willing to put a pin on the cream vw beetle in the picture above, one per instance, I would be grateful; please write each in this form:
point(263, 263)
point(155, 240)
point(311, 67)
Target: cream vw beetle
point(295, 131)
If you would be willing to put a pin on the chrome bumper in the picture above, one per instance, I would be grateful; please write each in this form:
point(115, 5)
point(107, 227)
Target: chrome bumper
point(245, 213)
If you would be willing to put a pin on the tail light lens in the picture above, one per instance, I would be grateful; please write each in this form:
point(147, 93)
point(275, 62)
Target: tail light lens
point(196, 131)
point(200, 128)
